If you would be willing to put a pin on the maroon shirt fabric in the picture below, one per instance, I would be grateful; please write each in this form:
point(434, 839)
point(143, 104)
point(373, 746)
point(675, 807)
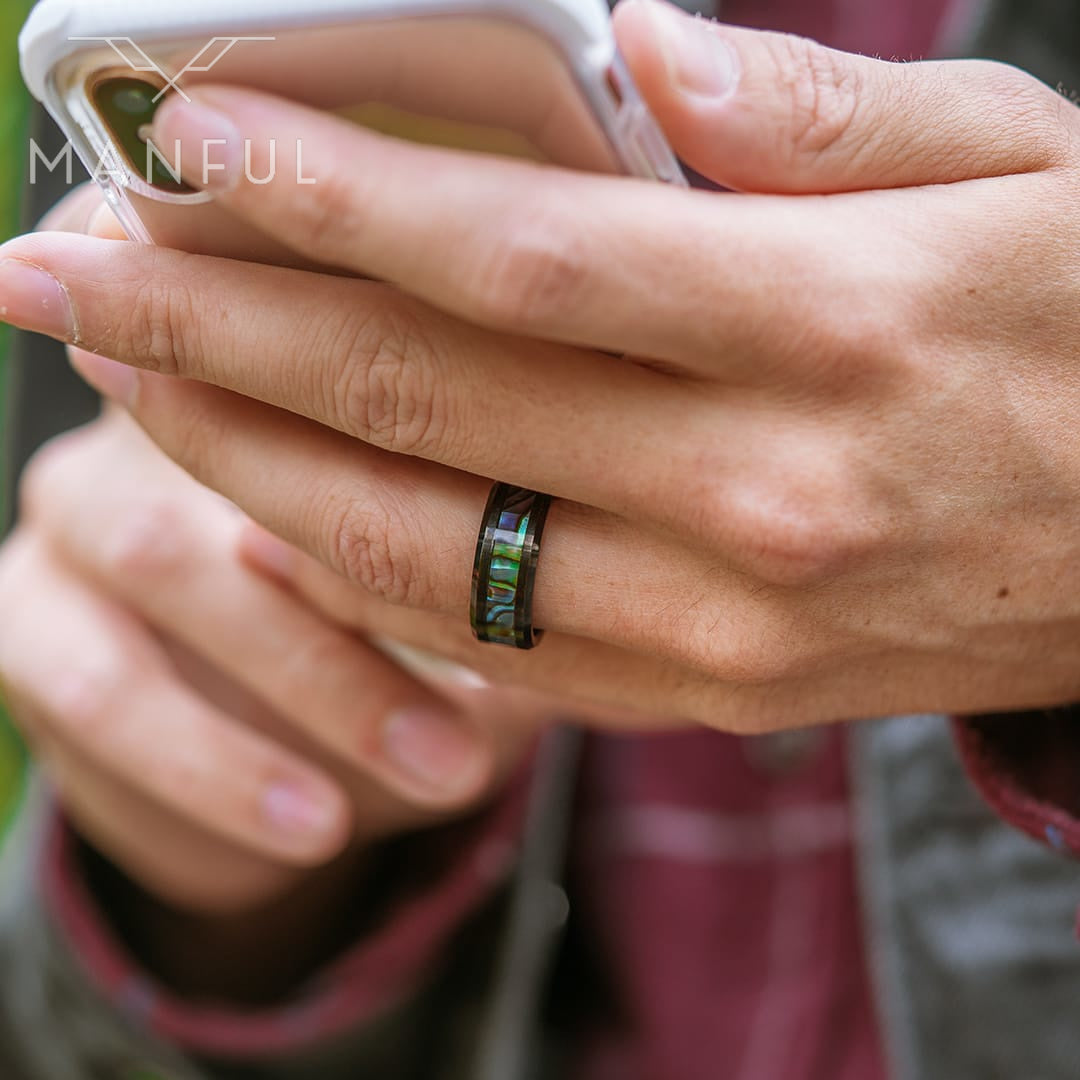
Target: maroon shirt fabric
point(721, 891)
point(901, 29)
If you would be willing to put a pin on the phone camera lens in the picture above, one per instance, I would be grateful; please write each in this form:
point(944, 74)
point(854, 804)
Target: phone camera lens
point(135, 100)
point(127, 106)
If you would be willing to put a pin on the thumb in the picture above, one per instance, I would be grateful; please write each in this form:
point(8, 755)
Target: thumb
point(767, 112)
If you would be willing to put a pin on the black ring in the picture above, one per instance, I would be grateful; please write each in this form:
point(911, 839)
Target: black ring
point(504, 571)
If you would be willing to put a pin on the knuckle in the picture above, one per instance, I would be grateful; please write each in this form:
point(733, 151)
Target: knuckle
point(387, 392)
point(364, 548)
point(752, 645)
point(795, 535)
point(788, 546)
point(179, 774)
point(331, 211)
point(81, 704)
point(162, 330)
point(798, 551)
point(853, 347)
point(9, 576)
point(146, 545)
point(19, 554)
point(823, 94)
point(327, 660)
point(744, 660)
point(196, 437)
point(1038, 116)
point(41, 479)
point(533, 273)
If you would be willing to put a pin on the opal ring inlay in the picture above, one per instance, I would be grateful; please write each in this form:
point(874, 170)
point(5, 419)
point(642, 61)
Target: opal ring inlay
point(504, 571)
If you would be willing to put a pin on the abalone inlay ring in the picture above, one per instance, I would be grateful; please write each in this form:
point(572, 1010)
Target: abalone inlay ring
point(504, 571)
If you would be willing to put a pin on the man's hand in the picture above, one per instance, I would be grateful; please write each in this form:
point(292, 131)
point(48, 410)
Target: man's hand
point(836, 472)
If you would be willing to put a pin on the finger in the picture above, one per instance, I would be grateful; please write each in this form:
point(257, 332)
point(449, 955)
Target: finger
point(406, 529)
point(168, 855)
point(538, 251)
point(328, 593)
point(738, 459)
point(72, 214)
point(513, 704)
point(390, 370)
point(550, 253)
point(591, 681)
point(209, 230)
point(533, 251)
point(747, 694)
point(101, 683)
point(84, 211)
point(494, 689)
point(170, 557)
point(774, 112)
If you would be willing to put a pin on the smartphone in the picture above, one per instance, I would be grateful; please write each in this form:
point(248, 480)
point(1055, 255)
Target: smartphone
point(534, 78)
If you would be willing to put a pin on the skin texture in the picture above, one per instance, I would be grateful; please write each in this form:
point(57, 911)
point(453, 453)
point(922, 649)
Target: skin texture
point(834, 474)
point(813, 443)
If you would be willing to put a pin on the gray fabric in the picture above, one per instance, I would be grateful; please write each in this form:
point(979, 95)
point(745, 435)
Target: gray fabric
point(970, 924)
point(1040, 36)
point(60, 1029)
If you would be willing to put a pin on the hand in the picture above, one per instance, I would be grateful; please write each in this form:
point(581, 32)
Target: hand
point(207, 731)
point(835, 474)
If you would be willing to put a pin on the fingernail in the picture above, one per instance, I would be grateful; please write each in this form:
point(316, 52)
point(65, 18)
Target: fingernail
point(204, 143)
point(467, 678)
point(434, 749)
point(268, 553)
point(32, 299)
point(293, 809)
point(427, 665)
point(104, 224)
point(699, 61)
point(118, 382)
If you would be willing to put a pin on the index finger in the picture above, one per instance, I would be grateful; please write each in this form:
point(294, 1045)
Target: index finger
point(507, 244)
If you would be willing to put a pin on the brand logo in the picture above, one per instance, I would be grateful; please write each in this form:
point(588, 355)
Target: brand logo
point(111, 168)
point(206, 59)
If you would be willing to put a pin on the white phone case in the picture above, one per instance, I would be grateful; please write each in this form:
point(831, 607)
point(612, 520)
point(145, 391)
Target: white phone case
point(579, 29)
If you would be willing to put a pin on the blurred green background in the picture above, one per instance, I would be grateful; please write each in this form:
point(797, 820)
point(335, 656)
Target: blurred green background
point(13, 106)
point(13, 112)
